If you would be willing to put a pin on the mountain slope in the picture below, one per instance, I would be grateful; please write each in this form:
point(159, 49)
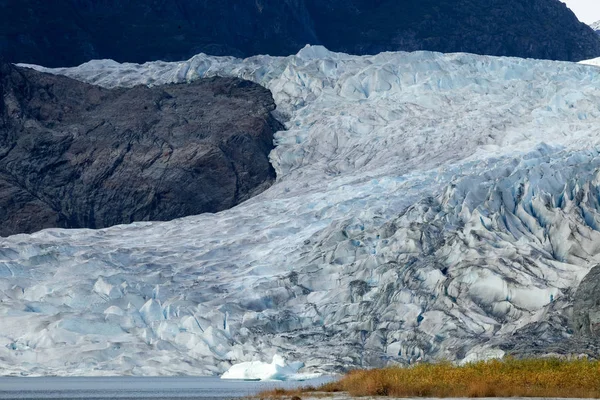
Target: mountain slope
point(74, 155)
point(427, 206)
point(69, 32)
point(504, 28)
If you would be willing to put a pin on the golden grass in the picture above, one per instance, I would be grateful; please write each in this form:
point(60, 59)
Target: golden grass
point(497, 378)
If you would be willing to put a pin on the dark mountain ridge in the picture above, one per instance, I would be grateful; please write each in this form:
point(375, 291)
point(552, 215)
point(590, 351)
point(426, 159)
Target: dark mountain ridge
point(70, 32)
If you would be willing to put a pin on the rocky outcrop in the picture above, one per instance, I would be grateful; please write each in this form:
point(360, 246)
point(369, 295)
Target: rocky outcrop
point(596, 27)
point(70, 32)
point(573, 334)
point(586, 305)
point(75, 155)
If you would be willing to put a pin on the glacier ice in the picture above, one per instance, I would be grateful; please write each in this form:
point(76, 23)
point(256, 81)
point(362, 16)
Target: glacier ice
point(427, 206)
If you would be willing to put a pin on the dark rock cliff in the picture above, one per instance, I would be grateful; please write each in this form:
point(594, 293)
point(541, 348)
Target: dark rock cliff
point(74, 155)
point(544, 29)
point(70, 32)
point(586, 307)
point(576, 333)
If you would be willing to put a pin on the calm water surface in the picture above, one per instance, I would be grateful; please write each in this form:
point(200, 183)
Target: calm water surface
point(137, 388)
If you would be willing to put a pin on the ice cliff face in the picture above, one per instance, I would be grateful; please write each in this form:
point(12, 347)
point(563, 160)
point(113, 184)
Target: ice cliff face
point(427, 206)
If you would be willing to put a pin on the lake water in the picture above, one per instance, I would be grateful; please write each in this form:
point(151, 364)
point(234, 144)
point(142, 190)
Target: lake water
point(204, 388)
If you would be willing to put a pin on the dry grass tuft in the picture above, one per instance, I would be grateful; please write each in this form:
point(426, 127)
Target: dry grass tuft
point(507, 378)
point(497, 378)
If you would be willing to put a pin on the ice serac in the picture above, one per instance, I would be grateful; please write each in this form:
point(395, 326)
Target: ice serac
point(73, 155)
point(427, 206)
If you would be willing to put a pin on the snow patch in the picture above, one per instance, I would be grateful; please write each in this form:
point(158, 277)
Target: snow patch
point(593, 61)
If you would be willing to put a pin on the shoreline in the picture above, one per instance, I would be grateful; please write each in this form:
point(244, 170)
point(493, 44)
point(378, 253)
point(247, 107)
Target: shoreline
point(526, 378)
point(345, 396)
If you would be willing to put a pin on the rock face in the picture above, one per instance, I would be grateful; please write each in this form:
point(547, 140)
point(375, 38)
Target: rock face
point(521, 28)
point(596, 27)
point(573, 334)
point(586, 306)
point(75, 155)
point(70, 32)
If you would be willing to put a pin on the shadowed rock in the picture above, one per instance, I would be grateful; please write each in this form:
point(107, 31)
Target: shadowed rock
point(571, 335)
point(74, 155)
point(586, 305)
point(69, 32)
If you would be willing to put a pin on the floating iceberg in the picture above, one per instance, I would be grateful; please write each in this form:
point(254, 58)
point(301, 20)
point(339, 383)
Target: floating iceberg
point(261, 371)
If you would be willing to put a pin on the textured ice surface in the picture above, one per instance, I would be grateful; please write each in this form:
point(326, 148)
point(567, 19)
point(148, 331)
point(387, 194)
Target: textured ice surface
point(427, 206)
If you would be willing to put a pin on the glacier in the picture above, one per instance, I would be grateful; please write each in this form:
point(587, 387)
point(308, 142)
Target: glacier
point(427, 206)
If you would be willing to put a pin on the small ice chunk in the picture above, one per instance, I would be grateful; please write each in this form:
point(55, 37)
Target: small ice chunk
point(105, 288)
point(114, 310)
point(151, 311)
point(482, 353)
